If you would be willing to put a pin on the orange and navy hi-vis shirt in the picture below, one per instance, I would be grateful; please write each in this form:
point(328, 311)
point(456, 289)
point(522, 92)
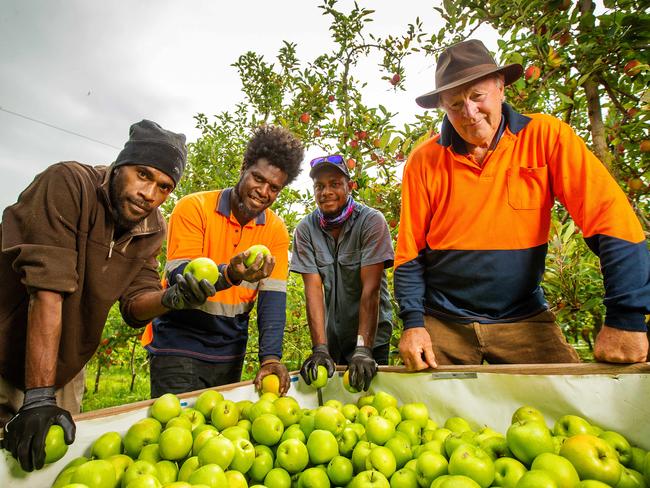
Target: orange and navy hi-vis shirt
point(202, 224)
point(472, 240)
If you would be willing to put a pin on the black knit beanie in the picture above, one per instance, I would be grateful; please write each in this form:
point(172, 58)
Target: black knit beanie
point(151, 145)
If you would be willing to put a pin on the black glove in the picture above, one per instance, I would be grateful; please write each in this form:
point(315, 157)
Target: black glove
point(26, 431)
point(320, 356)
point(363, 368)
point(188, 292)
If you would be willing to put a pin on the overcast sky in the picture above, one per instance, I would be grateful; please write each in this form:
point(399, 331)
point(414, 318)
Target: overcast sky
point(94, 67)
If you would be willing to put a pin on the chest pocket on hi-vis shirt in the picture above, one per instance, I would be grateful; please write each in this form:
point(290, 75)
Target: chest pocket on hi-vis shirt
point(528, 188)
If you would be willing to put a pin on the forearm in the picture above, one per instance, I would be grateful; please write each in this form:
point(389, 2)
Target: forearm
point(368, 316)
point(315, 306)
point(147, 305)
point(44, 324)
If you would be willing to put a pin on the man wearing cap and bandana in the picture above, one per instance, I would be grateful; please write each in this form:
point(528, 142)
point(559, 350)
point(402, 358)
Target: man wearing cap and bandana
point(475, 218)
point(79, 239)
point(342, 250)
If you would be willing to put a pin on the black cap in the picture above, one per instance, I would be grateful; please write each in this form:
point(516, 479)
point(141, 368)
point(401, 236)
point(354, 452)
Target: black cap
point(334, 161)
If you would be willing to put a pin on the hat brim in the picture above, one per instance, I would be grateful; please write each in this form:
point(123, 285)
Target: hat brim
point(326, 164)
point(510, 72)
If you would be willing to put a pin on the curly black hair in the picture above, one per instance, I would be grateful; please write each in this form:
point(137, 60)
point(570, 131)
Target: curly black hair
point(279, 146)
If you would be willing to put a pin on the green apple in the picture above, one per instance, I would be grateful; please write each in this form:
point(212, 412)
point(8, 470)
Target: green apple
point(64, 478)
point(528, 439)
point(404, 478)
point(195, 417)
point(244, 408)
point(436, 446)
point(365, 412)
point(322, 446)
point(383, 400)
point(429, 466)
point(178, 484)
point(271, 384)
point(401, 448)
point(244, 455)
point(166, 407)
point(360, 454)
point(620, 444)
point(255, 251)
point(180, 421)
point(277, 478)
point(143, 432)
point(456, 439)
point(646, 467)
point(150, 453)
point(166, 472)
point(307, 421)
point(225, 414)
point(558, 440)
point(379, 429)
point(471, 461)
point(593, 458)
point(593, 484)
point(365, 400)
point(75, 485)
point(203, 269)
point(412, 465)
point(536, 478)
point(570, 425)
point(457, 424)
point(245, 424)
point(333, 402)
point(288, 410)
point(235, 432)
point(329, 418)
point(507, 472)
point(269, 396)
point(267, 429)
point(411, 428)
point(560, 469)
point(203, 428)
point(382, 459)
point(294, 432)
point(175, 443)
point(340, 471)
point(262, 464)
point(145, 481)
point(137, 469)
point(347, 440)
point(314, 478)
point(292, 455)
point(391, 413)
point(206, 402)
point(637, 462)
point(455, 481)
point(202, 438)
point(217, 450)
point(236, 479)
point(350, 411)
point(369, 479)
point(261, 407)
point(417, 411)
point(346, 382)
point(55, 446)
point(121, 462)
point(527, 412)
point(496, 446)
point(190, 465)
point(211, 475)
point(440, 433)
point(631, 479)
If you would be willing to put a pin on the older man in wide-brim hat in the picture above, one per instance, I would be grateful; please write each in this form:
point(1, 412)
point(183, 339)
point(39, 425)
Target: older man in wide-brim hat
point(475, 219)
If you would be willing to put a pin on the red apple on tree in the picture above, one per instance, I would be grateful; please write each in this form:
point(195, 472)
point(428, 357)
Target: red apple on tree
point(305, 118)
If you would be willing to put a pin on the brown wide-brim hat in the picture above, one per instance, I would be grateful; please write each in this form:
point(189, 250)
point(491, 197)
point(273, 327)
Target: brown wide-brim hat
point(464, 62)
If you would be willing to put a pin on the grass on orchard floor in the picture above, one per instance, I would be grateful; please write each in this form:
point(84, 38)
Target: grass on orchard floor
point(114, 388)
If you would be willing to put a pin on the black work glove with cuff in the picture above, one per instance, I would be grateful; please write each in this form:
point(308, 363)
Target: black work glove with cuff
point(320, 356)
point(363, 368)
point(187, 292)
point(25, 433)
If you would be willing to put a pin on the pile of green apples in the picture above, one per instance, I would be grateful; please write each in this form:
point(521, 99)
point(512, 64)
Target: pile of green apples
point(373, 443)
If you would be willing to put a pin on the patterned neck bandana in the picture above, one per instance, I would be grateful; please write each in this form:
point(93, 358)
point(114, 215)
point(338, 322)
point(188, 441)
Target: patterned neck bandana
point(327, 223)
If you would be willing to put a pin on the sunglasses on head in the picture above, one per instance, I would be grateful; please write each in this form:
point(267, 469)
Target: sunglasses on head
point(334, 158)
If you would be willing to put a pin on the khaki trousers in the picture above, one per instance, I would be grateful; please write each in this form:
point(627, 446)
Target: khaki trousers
point(68, 397)
point(536, 340)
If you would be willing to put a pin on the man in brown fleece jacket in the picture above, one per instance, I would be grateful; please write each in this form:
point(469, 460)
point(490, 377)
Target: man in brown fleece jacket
point(79, 239)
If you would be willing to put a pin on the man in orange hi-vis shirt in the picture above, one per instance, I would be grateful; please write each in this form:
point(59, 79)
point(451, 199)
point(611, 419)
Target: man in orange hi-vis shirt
point(205, 346)
point(475, 219)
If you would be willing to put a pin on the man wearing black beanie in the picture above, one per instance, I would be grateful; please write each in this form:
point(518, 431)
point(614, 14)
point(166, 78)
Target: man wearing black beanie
point(79, 239)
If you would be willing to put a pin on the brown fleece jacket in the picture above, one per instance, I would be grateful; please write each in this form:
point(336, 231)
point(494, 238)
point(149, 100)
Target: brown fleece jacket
point(59, 237)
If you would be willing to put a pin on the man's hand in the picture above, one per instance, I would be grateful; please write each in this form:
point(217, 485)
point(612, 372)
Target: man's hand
point(320, 356)
point(187, 292)
point(273, 366)
point(260, 269)
point(415, 349)
point(620, 346)
point(25, 433)
point(363, 368)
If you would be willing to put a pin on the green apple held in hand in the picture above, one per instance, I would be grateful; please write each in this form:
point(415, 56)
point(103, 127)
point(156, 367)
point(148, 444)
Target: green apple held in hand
point(254, 251)
point(55, 446)
point(593, 458)
point(321, 377)
point(203, 269)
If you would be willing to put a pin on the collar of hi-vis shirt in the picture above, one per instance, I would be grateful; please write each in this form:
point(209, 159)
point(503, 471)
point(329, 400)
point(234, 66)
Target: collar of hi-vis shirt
point(510, 118)
point(224, 208)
